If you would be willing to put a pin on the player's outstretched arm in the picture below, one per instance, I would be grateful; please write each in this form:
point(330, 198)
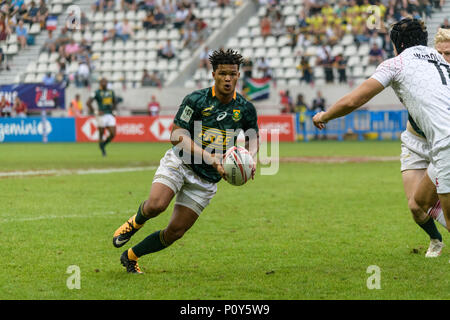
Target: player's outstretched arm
point(180, 137)
point(350, 102)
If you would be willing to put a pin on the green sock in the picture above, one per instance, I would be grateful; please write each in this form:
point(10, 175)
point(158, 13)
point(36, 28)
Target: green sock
point(153, 243)
point(430, 228)
point(140, 218)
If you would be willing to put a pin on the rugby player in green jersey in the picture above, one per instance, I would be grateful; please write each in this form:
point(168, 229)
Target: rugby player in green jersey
point(106, 102)
point(205, 126)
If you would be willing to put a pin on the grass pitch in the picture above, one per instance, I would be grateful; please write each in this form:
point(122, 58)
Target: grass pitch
point(309, 232)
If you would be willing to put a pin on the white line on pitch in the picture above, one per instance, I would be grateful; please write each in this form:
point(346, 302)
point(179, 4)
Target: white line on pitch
point(70, 216)
point(70, 172)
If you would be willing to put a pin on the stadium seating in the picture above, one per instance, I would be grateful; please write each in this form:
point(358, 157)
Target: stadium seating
point(11, 46)
point(124, 61)
point(284, 58)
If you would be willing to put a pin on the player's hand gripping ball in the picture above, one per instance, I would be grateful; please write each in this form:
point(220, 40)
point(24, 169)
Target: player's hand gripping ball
point(238, 165)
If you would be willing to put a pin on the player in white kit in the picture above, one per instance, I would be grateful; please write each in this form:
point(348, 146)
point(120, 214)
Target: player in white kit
point(420, 78)
point(415, 159)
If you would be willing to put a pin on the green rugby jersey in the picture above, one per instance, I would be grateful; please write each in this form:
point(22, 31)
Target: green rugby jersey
point(105, 100)
point(208, 120)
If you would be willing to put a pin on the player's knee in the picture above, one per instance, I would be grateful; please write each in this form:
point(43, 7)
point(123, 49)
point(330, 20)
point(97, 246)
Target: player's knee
point(152, 208)
point(173, 234)
point(419, 204)
point(417, 212)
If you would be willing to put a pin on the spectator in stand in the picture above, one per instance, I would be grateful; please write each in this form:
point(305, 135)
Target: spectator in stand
point(375, 55)
point(22, 34)
point(149, 21)
point(362, 35)
point(150, 80)
point(223, 3)
point(169, 8)
point(305, 68)
point(153, 107)
point(204, 58)
point(278, 28)
point(314, 6)
point(20, 108)
point(340, 64)
point(328, 68)
point(323, 53)
point(83, 75)
point(264, 67)
point(124, 30)
point(76, 107)
point(388, 48)
point(5, 107)
point(160, 18)
point(266, 26)
point(318, 105)
point(84, 21)
point(190, 38)
point(167, 51)
point(71, 50)
point(1, 58)
point(301, 108)
point(286, 102)
point(48, 79)
point(302, 42)
point(180, 16)
point(5, 31)
point(201, 27)
point(50, 42)
point(247, 68)
point(16, 5)
point(301, 21)
point(30, 16)
point(445, 24)
point(375, 38)
point(43, 13)
point(129, 5)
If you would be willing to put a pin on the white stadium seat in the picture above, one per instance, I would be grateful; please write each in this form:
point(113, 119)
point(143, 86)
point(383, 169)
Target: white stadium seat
point(31, 67)
point(273, 52)
point(260, 52)
point(258, 42)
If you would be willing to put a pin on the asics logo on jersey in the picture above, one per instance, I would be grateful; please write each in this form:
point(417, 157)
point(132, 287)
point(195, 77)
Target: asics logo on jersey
point(221, 116)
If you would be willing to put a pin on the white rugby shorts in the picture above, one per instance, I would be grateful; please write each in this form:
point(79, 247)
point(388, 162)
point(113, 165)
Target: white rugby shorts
point(192, 191)
point(439, 172)
point(415, 152)
point(106, 120)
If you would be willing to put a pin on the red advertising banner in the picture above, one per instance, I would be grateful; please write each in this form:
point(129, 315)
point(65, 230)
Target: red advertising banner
point(284, 124)
point(128, 129)
point(157, 129)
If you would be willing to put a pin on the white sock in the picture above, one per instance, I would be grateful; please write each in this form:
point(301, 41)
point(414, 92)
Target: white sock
point(437, 214)
point(441, 219)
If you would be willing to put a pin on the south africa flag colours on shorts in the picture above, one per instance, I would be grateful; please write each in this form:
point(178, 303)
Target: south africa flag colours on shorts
point(257, 89)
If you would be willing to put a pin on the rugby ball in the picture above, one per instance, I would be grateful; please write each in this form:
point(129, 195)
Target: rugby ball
point(238, 164)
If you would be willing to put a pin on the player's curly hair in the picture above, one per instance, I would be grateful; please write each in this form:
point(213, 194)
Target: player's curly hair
point(409, 33)
point(225, 57)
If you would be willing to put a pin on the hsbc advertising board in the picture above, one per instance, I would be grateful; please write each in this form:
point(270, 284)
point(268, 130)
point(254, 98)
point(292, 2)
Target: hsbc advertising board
point(129, 129)
point(157, 129)
point(283, 124)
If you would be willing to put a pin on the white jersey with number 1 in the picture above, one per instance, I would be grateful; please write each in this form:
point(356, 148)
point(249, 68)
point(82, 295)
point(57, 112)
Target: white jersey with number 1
point(420, 78)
